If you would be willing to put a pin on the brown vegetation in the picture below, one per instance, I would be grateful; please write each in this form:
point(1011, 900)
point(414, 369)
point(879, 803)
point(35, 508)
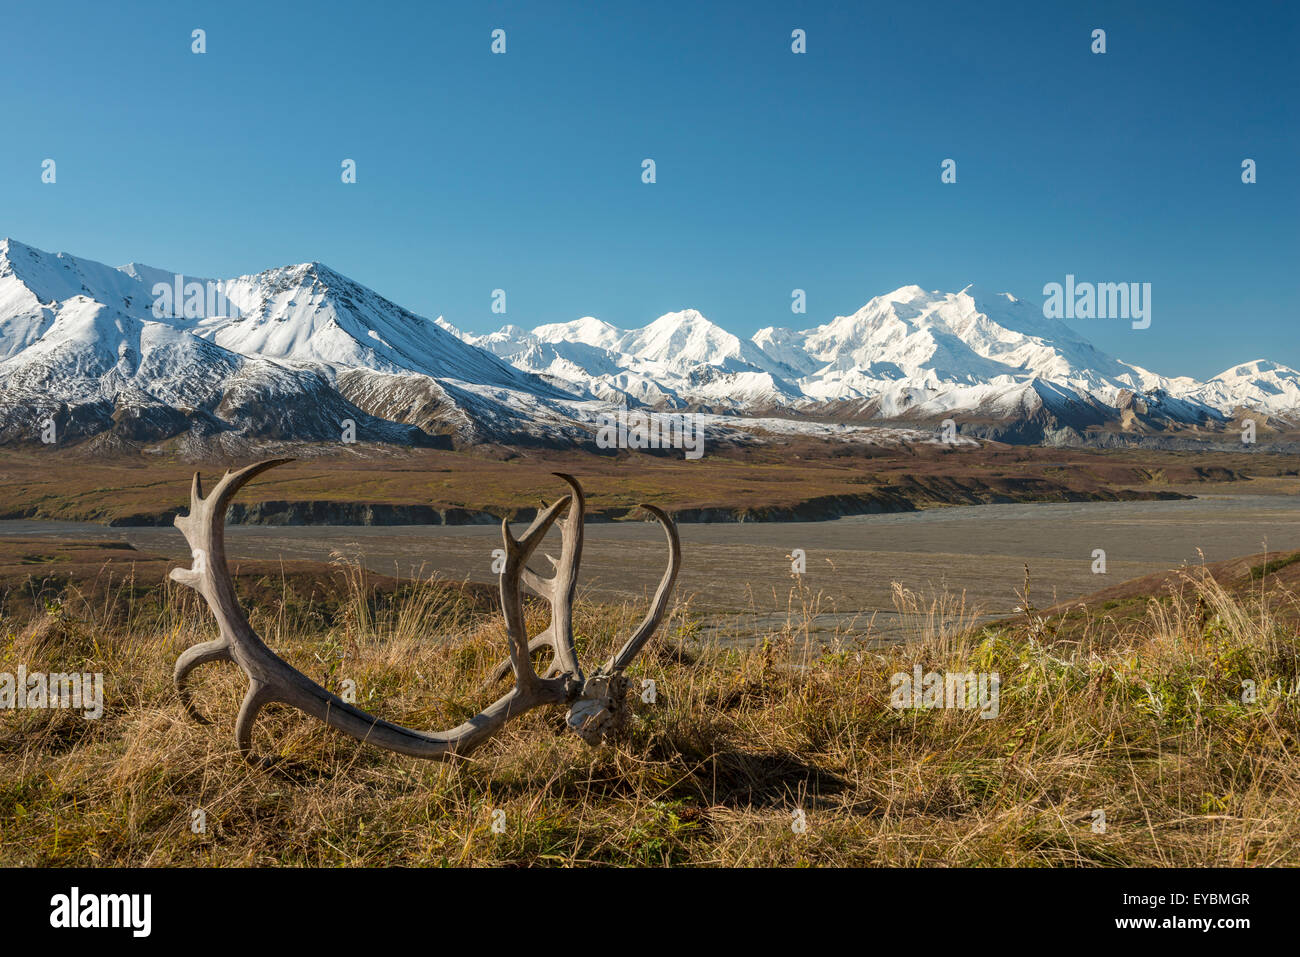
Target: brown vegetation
point(1140, 716)
point(784, 480)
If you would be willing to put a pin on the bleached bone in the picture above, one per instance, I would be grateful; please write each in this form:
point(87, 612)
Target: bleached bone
point(595, 702)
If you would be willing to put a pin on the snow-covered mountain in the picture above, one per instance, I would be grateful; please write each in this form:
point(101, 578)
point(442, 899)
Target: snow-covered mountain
point(906, 355)
point(681, 359)
point(309, 314)
point(912, 353)
point(1262, 385)
point(292, 353)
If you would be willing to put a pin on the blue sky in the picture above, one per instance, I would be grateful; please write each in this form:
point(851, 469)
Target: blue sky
point(819, 171)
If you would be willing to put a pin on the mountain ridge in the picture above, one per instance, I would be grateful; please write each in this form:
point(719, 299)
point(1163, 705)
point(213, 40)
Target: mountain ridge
point(906, 352)
point(87, 344)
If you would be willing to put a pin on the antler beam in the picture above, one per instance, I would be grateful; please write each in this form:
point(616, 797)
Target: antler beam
point(595, 703)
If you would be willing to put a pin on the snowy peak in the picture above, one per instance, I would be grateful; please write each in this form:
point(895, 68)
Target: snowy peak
point(905, 294)
point(687, 337)
point(446, 326)
point(928, 339)
point(588, 330)
point(679, 360)
point(1261, 384)
point(675, 339)
point(1257, 369)
point(48, 278)
point(310, 314)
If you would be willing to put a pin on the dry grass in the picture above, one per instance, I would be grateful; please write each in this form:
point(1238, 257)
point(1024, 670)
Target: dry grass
point(1142, 719)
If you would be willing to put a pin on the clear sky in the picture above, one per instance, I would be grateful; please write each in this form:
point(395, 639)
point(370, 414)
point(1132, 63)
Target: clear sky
point(774, 171)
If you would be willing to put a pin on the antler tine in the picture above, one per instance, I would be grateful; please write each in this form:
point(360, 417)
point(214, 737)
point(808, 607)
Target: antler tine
point(204, 529)
point(546, 516)
point(562, 587)
point(659, 605)
point(205, 525)
point(559, 591)
point(512, 603)
point(571, 547)
point(190, 659)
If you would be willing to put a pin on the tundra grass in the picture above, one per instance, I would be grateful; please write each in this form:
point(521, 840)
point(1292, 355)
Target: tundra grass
point(1166, 738)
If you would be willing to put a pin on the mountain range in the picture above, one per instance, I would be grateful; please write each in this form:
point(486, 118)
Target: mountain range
point(294, 354)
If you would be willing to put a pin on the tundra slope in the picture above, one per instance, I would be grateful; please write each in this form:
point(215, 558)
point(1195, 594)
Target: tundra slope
point(290, 355)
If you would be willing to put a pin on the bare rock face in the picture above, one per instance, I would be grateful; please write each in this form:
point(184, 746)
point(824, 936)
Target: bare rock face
point(141, 419)
point(1129, 401)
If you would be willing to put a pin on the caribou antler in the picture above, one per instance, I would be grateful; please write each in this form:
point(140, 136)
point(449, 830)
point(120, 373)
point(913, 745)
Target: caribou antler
point(595, 703)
